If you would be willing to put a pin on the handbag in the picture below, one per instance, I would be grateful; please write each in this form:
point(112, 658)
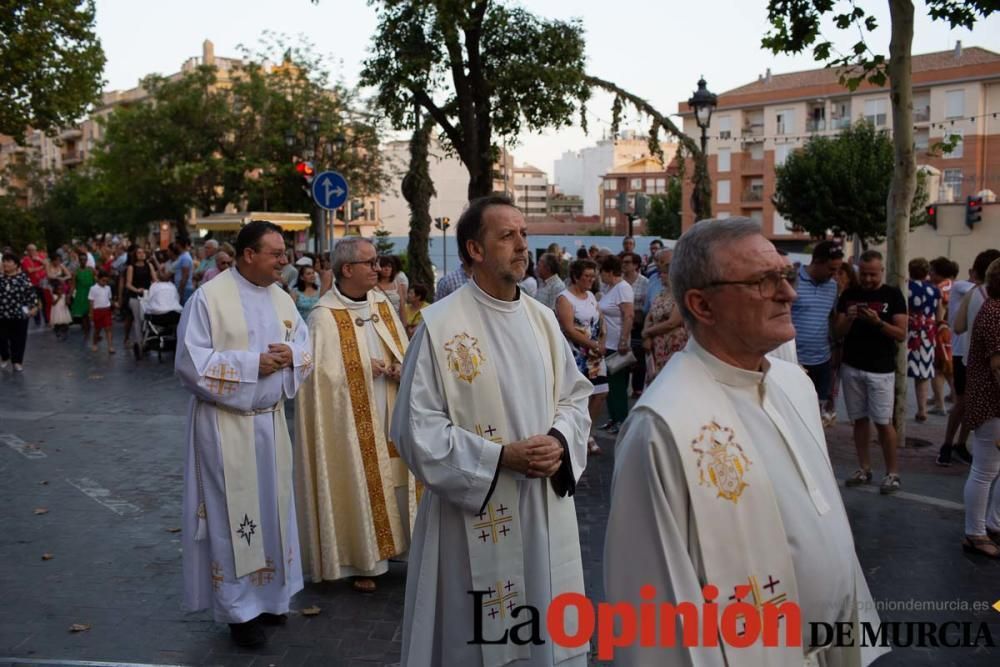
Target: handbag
point(618, 361)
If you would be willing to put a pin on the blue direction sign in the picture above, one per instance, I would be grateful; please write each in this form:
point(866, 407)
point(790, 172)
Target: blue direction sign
point(329, 190)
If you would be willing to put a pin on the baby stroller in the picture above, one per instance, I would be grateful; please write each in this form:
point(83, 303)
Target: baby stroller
point(159, 332)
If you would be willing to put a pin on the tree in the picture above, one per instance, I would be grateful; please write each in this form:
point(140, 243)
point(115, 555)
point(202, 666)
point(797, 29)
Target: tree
point(418, 189)
point(482, 70)
point(383, 246)
point(50, 63)
point(840, 185)
point(664, 219)
point(795, 25)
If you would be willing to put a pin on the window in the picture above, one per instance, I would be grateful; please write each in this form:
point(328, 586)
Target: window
point(951, 185)
point(724, 157)
point(721, 216)
point(610, 184)
point(954, 104)
point(725, 127)
point(656, 186)
point(780, 225)
point(722, 196)
point(781, 153)
point(757, 216)
point(957, 136)
point(786, 121)
point(610, 220)
point(875, 112)
point(757, 152)
point(610, 202)
point(635, 184)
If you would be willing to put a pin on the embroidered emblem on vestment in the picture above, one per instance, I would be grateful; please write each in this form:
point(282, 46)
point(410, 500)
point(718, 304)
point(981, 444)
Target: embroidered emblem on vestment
point(721, 461)
point(464, 356)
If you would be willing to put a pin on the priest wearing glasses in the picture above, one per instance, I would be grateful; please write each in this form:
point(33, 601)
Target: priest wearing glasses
point(722, 475)
point(353, 491)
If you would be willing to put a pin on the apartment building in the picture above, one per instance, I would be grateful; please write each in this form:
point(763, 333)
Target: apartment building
point(756, 126)
point(531, 191)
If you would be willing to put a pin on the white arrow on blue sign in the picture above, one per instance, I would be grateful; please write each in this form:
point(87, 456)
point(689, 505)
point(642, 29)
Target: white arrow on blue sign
point(329, 190)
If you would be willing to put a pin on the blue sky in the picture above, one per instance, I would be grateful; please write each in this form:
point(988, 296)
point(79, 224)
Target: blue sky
point(655, 49)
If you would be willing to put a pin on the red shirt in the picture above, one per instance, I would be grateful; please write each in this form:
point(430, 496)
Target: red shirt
point(34, 268)
point(982, 394)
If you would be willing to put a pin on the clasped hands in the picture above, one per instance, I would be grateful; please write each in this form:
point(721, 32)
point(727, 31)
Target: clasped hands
point(278, 356)
point(380, 368)
point(538, 456)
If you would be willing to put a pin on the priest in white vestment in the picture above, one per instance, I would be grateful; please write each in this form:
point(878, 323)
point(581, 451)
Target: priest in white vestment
point(722, 475)
point(492, 418)
point(353, 490)
point(242, 349)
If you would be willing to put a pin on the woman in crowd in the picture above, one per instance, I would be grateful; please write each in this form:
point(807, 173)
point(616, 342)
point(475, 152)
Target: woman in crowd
point(982, 416)
point(83, 280)
point(61, 317)
point(846, 277)
point(387, 272)
point(529, 284)
point(305, 293)
point(582, 324)
point(55, 270)
point(18, 303)
point(663, 332)
point(926, 310)
point(138, 279)
point(618, 308)
point(943, 273)
point(416, 300)
point(631, 265)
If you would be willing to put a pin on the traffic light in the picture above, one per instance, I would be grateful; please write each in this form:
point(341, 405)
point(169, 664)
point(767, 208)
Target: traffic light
point(973, 211)
point(357, 209)
point(442, 223)
point(307, 172)
point(623, 202)
point(641, 205)
point(932, 216)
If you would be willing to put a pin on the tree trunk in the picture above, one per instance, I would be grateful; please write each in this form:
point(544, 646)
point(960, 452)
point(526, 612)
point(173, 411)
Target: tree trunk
point(904, 176)
point(480, 175)
point(417, 189)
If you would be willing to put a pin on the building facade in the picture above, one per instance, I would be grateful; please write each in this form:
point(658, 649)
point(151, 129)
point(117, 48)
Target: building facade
point(531, 191)
point(646, 175)
point(757, 126)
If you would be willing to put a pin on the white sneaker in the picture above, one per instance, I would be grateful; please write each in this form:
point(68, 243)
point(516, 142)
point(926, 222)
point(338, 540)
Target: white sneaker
point(4, 365)
point(18, 368)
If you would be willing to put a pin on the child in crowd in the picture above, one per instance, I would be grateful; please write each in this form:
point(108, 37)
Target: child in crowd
point(61, 318)
point(100, 310)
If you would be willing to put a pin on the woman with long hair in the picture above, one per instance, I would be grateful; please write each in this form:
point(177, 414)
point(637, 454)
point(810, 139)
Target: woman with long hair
point(306, 291)
point(387, 272)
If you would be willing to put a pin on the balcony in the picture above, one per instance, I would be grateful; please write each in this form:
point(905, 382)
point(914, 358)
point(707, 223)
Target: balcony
point(840, 123)
point(748, 166)
point(922, 115)
point(816, 125)
point(72, 157)
point(752, 130)
point(752, 197)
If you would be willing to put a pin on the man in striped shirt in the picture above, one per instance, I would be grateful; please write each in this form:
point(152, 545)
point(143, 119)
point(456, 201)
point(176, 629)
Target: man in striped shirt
point(811, 316)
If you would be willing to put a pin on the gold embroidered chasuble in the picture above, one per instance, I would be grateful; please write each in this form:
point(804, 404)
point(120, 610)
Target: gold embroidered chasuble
point(347, 471)
point(469, 371)
point(236, 430)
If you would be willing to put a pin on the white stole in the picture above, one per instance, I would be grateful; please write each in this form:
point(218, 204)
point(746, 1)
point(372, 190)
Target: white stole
point(740, 530)
point(468, 373)
point(236, 431)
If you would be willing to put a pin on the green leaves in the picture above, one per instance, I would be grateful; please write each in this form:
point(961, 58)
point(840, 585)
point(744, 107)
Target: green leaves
point(839, 184)
point(50, 64)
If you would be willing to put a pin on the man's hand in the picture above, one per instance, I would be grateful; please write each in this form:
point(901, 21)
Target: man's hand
point(269, 363)
point(538, 456)
point(394, 371)
point(378, 368)
point(282, 353)
point(870, 315)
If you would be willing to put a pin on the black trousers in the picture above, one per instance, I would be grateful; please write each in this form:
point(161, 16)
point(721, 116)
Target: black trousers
point(13, 337)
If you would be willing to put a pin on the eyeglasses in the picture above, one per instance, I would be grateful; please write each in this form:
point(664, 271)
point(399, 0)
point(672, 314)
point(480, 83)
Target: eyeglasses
point(372, 263)
point(767, 284)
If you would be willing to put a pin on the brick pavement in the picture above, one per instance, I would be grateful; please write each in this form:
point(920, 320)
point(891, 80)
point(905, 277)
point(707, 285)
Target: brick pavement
point(99, 442)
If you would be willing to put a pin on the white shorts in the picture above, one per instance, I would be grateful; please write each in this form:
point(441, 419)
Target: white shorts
point(868, 395)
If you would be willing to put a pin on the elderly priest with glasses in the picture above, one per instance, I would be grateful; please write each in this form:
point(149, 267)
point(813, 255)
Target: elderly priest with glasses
point(733, 488)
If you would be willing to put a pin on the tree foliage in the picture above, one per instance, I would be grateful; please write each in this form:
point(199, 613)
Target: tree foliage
point(203, 143)
point(50, 63)
point(840, 184)
point(418, 189)
point(664, 218)
point(483, 70)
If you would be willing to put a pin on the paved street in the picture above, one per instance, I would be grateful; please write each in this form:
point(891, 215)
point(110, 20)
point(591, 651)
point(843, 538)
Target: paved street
point(98, 443)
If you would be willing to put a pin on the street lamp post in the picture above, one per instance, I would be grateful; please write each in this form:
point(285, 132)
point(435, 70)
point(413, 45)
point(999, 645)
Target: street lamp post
point(703, 103)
